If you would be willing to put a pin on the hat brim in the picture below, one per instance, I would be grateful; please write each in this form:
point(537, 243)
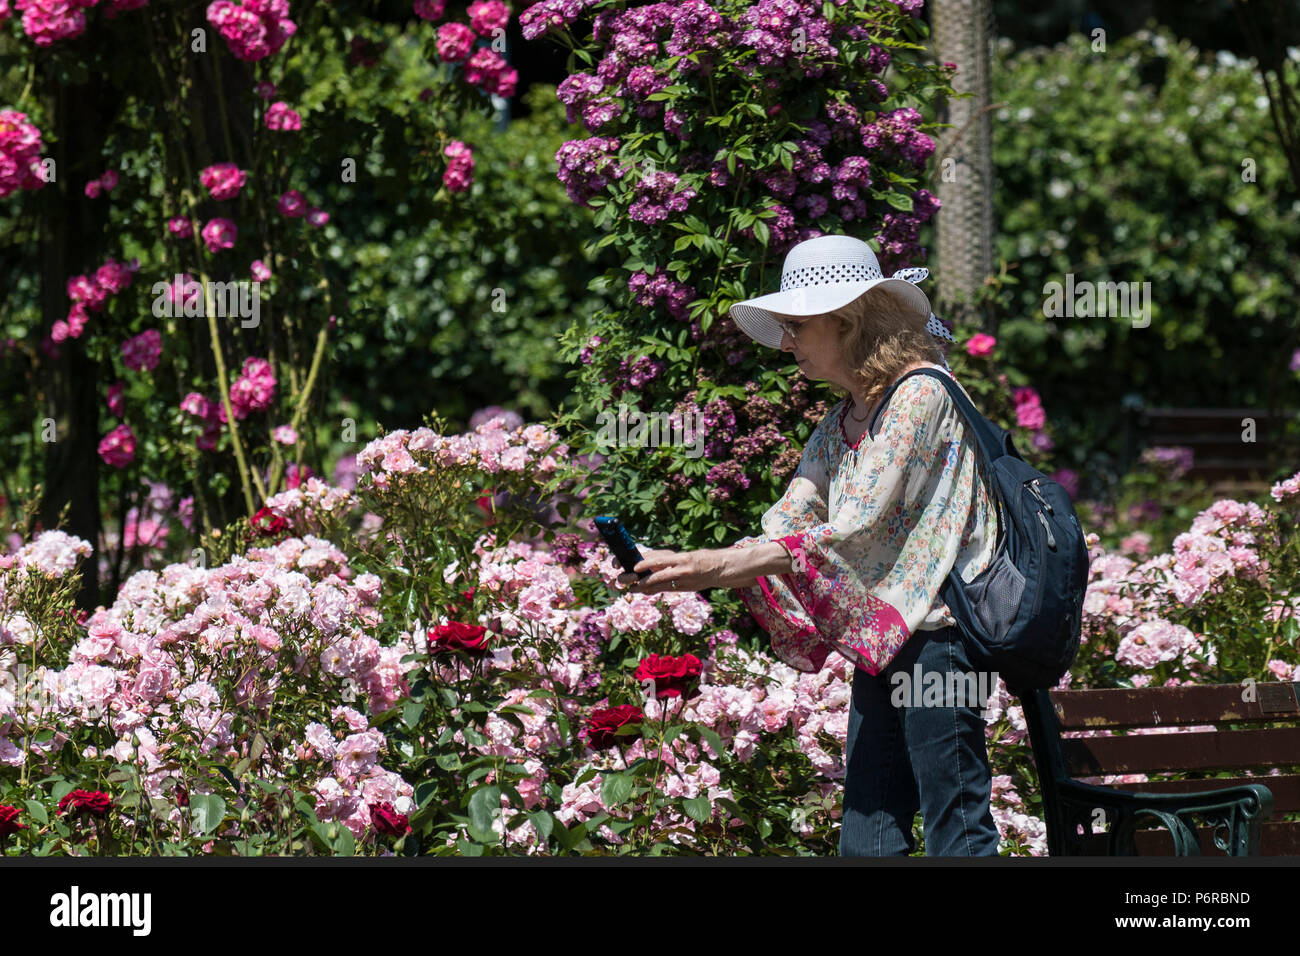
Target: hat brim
point(757, 318)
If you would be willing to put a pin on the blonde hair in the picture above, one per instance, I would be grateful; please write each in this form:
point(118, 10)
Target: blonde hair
point(880, 337)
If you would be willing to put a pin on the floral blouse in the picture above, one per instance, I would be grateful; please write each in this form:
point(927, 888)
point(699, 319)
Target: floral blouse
point(874, 529)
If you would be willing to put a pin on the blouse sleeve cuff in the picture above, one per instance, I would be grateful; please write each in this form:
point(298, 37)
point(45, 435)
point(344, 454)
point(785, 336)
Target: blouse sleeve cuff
point(793, 544)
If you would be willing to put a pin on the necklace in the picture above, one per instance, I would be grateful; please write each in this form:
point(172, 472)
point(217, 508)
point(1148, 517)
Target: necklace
point(855, 417)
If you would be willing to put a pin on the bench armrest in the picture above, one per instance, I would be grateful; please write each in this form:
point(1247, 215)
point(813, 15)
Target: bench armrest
point(1236, 811)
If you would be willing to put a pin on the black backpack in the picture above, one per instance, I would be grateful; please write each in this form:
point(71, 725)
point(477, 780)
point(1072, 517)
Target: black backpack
point(1022, 615)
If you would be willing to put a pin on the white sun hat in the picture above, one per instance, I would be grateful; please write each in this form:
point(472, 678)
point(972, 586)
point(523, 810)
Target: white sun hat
point(822, 274)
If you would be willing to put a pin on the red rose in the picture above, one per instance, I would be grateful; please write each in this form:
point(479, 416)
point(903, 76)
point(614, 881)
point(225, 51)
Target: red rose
point(672, 676)
point(9, 821)
point(388, 821)
point(602, 724)
point(267, 524)
point(94, 802)
point(454, 607)
point(458, 636)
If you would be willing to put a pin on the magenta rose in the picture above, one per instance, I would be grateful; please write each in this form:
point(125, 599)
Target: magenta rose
point(223, 180)
point(281, 116)
point(1030, 416)
point(219, 234)
point(293, 204)
point(116, 405)
point(428, 9)
point(117, 448)
point(141, 353)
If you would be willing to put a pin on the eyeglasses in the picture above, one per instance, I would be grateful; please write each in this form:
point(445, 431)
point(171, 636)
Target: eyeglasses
point(791, 327)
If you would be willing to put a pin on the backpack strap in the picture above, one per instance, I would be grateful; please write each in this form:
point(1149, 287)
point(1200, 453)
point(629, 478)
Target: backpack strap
point(991, 444)
point(992, 441)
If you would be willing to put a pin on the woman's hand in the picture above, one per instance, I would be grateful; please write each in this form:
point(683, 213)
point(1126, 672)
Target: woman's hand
point(677, 571)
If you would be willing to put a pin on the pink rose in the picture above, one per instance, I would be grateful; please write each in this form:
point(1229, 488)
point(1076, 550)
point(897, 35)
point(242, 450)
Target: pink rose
point(223, 180)
point(293, 204)
point(115, 403)
point(142, 352)
point(219, 234)
point(281, 116)
point(428, 9)
point(1030, 416)
point(980, 344)
point(117, 448)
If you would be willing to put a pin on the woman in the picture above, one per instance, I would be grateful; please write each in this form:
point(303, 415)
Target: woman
point(853, 555)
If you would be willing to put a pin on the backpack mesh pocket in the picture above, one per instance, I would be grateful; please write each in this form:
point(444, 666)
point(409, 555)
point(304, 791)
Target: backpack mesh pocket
point(995, 598)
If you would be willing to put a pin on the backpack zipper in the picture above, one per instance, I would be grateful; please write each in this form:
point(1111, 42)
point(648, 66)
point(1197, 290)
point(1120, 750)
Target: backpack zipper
point(1051, 541)
point(1033, 489)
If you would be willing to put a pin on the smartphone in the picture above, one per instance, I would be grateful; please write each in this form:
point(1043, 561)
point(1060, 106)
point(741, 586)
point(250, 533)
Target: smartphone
point(621, 543)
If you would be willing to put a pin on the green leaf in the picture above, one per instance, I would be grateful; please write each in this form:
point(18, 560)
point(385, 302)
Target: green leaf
point(38, 812)
point(615, 789)
point(342, 843)
point(207, 810)
point(484, 808)
point(345, 844)
point(713, 739)
point(424, 792)
point(411, 712)
point(448, 761)
point(543, 823)
point(698, 809)
point(899, 200)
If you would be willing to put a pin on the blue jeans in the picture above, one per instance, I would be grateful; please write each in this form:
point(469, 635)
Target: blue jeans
point(908, 758)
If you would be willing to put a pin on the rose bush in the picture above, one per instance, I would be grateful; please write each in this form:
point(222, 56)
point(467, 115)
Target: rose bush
point(446, 673)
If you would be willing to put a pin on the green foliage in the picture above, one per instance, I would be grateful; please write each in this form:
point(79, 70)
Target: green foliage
point(746, 118)
point(1131, 165)
point(464, 311)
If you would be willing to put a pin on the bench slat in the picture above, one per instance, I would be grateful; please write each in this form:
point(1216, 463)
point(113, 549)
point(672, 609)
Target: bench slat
point(1214, 414)
point(1121, 708)
point(1208, 750)
point(1275, 839)
point(1285, 788)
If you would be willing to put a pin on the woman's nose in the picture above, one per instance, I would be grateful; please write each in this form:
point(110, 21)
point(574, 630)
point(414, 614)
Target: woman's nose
point(787, 341)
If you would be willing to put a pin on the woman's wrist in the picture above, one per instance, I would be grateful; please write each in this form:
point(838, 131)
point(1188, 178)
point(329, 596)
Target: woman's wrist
point(743, 565)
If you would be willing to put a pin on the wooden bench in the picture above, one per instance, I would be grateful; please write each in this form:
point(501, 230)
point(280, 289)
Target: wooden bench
point(1220, 457)
point(1235, 815)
